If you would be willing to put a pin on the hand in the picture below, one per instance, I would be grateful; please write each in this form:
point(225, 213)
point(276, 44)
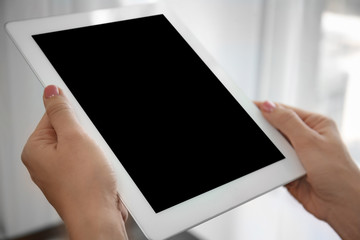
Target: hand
point(331, 188)
point(73, 173)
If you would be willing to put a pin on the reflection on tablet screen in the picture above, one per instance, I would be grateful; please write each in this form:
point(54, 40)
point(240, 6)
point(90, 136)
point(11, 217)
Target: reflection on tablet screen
point(172, 124)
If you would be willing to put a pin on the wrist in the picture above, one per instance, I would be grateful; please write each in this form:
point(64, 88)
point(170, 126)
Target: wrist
point(344, 217)
point(94, 220)
point(346, 224)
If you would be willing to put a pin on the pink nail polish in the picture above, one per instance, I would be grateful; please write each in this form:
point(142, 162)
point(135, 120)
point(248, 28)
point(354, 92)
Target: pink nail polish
point(51, 91)
point(268, 106)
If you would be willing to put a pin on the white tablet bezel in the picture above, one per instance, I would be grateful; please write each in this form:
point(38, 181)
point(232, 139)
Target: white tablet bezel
point(194, 211)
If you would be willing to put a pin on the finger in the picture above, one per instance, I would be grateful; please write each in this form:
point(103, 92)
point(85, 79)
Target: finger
point(292, 184)
point(59, 111)
point(44, 123)
point(287, 121)
point(122, 208)
point(303, 114)
point(258, 103)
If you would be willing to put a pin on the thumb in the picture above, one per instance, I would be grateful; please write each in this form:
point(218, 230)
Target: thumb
point(59, 111)
point(287, 121)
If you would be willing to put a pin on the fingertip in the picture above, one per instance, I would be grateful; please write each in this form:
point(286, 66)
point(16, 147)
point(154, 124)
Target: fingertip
point(268, 106)
point(51, 91)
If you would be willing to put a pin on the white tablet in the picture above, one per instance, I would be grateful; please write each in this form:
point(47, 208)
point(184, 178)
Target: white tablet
point(185, 143)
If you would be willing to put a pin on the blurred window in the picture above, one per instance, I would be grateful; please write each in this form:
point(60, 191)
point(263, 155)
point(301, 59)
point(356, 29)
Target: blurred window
point(339, 75)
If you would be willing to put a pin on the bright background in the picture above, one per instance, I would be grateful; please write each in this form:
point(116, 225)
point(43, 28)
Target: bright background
point(303, 53)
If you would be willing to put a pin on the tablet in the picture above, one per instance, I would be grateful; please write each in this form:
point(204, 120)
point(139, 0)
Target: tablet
point(185, 143)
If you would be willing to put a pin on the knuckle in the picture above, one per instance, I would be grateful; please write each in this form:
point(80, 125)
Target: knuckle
point(74, 137)
point(329, 122)
point(309, 140)
point(24, 157)
point(287, 117)
point(27, 152)
point(58, 108)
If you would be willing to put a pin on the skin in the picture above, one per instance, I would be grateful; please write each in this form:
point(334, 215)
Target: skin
point(331, 188)
point(74, 175)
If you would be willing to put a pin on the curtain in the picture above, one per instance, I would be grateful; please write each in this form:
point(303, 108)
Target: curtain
point(291, 34)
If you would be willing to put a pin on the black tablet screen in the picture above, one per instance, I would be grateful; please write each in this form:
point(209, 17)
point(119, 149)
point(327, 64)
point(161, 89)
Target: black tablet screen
point(171, 123)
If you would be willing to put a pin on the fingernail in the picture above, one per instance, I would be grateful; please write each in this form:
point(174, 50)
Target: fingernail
point(51, 91)
point(268, 106)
